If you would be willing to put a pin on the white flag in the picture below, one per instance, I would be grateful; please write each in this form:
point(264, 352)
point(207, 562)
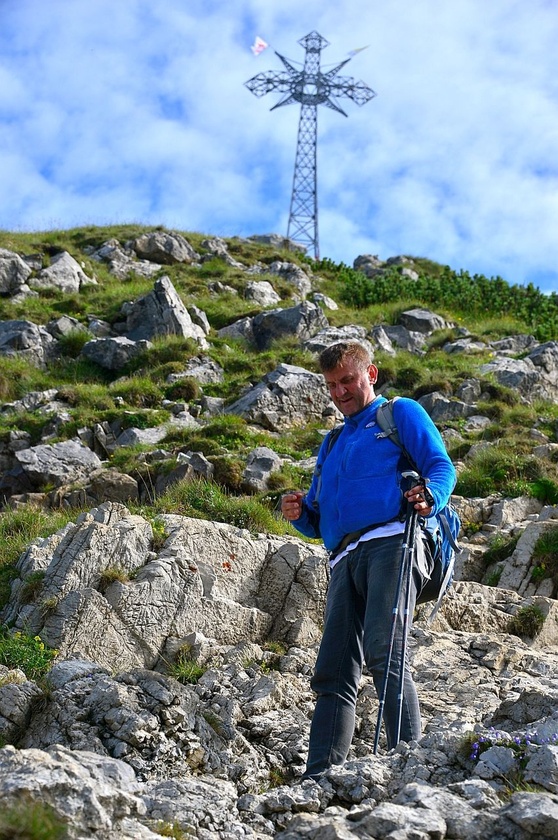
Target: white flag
point(259, 45)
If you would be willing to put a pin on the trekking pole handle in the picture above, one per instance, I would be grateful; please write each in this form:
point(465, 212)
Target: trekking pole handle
point(412, 477)
point(428, 497)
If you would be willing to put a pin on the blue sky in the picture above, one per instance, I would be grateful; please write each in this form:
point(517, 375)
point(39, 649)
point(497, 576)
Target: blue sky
point(136, 111)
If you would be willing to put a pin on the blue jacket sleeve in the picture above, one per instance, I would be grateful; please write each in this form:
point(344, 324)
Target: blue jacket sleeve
point(423, 442)
point(308, 522)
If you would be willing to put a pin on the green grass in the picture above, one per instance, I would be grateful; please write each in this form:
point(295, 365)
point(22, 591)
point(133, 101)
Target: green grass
point(134, 397)
point(528, 621)
point(186, 670)
point(18, 528)
point(501, 468)
point(30, 820)
point(202, 499)
point(545, 558)
point(28, 653)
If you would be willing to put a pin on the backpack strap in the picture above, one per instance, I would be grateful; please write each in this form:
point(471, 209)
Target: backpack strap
point(329, 441)
point(386, 422)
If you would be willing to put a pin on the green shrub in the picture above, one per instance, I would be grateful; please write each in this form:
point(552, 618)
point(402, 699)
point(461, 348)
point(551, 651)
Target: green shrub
point(30, 820)
point(528, 621)
point(231, 431)
point(18, 528)
point(499, 469)
point(186, 670)
point(204, 499)
point(186, 389)
point(545, 490)
point(500, 547)
point(73, 342)
point(545, 557)
point(138, 391)
point(493, 579)
point(110, 575)
point(31, 587)
point(8, 573)
point(228, 471)
point(28, 653)
point(88, 398)
point(173, 830)
point(191, 440)
point(167, 349)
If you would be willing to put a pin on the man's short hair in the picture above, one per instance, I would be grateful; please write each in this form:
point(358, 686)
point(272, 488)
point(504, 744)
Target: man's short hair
point(338, 353)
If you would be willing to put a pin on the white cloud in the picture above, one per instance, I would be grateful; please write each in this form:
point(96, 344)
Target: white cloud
point(138, 111)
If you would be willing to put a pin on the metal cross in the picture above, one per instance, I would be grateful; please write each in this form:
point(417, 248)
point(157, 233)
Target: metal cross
point(311, 88)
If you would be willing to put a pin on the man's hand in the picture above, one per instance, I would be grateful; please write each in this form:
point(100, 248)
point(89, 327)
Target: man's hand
point(421, 498)
point(291, 505)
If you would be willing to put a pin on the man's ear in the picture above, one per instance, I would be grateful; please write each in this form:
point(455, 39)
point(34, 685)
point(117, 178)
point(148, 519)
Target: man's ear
point(373, 374)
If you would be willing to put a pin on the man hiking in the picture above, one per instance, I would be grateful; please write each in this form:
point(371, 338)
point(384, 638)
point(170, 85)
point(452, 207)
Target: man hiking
point(356, 504)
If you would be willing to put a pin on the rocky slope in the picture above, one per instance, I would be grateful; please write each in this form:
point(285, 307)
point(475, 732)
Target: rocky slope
point(119, 748)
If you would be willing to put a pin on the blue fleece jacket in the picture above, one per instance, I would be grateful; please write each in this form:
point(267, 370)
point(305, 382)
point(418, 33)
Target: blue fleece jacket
point(361, 476)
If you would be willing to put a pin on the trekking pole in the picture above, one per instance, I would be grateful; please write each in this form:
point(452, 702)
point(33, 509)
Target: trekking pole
point(405, 567)
point(410, 540)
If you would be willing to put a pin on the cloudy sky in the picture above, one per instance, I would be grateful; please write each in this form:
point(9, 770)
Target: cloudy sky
point(118, 111)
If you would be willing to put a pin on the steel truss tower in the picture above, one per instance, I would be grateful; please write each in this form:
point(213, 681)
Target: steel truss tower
point(311, 88)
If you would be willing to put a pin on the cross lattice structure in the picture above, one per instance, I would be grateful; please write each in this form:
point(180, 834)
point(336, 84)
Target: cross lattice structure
point(311, 87)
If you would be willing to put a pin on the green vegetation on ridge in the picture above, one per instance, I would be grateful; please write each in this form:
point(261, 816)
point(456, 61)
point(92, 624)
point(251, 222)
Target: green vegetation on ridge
point(140, 396)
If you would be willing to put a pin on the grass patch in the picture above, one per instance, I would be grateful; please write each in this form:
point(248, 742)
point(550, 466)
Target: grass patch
point(186, 670)
point(500, 548)
point(203, 499)
point(499, 469)
point(28, 653)
point(18, 528)
point(545, 558)
point(110, 575)
point(30, 820)
point(527, 622)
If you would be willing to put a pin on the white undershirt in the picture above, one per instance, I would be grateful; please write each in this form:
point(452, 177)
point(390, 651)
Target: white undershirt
point(387, 530)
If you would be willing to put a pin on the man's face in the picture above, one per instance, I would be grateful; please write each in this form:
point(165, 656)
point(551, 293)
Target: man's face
point(351, 387)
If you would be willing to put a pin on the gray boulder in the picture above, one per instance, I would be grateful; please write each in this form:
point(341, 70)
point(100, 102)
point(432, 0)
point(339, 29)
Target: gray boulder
point(330, 335)
point(293, 274)
point(442, 408)
point(90, 794)
point(240, 329)
point(380, 339)
point(278, 241)
point(164, 248)
point(514, 344)
point(302, 321)
point(288, 396)
point(57, 463)
point(201, 368)
point(324, 300)
point(65, 325)
point(260, 464)
point(113, 353)
point(545, 359)
point(261, 292)
point(518, 374)
point(160, 313)
point(217, 248)
point(122, 261)
point(422, 321)
point(64, 273)
point(466, 345)
point(404, 339)
point(14, 273)
point(23, 338)
point(207, 577)
point(369, 264)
